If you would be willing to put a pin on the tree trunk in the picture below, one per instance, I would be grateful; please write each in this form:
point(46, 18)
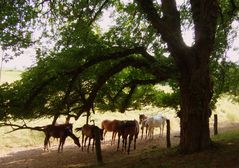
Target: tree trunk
point(196, 93)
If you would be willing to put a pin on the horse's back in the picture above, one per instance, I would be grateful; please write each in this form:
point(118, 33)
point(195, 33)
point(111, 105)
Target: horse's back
point(58, 130)
point(89, 130)
point(129, 127)
point(110, 125)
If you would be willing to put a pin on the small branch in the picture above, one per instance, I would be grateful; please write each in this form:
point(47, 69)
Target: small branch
point(98, 12)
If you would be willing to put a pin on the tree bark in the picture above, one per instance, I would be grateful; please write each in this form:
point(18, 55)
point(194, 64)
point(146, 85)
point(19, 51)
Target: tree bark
point(196, 93)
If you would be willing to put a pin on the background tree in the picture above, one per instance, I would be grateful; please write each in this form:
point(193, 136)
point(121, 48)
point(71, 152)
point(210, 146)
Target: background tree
point(119, 68)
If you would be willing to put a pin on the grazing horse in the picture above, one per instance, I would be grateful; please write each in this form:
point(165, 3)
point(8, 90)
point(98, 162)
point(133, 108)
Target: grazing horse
point(88, 131)
point(156, 121)
point(59, 131)
point(128, 128)
point(110, 126)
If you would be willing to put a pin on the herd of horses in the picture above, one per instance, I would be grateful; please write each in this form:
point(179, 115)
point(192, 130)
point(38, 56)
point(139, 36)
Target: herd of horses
point(127, 129)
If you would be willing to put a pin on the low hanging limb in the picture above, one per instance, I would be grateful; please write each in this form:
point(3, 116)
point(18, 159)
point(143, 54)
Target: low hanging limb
point(16, 127)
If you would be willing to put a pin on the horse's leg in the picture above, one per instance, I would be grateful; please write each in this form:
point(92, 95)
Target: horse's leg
point(88, 145)
point(46, 141)
point(113, 134)
point(105, 131)
point(125, 145)
point(61, 144)
point(93, 145)
point(85, 140)
point(130, 140)
point(82, 142)
point(152, 133)
point(118, 142)
point(134, 142)
point(147, 131)
point(142, 128)
point(123, 141)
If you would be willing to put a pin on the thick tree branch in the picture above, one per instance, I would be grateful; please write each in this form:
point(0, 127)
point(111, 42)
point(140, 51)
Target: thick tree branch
point(129, 61)
point(205, 14)
point(159, 70)
point(106, 57)
point(100, 58)
point(127, 99)
point(168, 26)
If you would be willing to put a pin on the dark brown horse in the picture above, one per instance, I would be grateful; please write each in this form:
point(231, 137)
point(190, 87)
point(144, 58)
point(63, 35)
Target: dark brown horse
point(59, 131)
point(110, 126)
point(128, 129)
point(88, 131)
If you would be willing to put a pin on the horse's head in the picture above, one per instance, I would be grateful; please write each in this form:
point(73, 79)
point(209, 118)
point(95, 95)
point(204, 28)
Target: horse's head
point(142, 117)
point(77, 142)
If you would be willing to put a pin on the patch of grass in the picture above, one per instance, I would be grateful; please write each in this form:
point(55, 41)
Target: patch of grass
point(227, 136)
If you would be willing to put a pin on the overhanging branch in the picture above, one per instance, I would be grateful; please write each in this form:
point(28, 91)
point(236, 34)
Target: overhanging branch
point(127, 62)
point(16, 127)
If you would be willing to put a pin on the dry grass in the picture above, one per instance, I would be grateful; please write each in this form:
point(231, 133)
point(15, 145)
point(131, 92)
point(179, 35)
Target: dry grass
point(10, 76)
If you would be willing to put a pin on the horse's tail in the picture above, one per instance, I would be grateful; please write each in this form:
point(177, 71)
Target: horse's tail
point(39, 128)
point(78, 129)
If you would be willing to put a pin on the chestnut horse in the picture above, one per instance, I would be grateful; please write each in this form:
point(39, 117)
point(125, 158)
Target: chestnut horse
point(127, 128)
point(110, 126)
point(59, 131)
point(88, 131)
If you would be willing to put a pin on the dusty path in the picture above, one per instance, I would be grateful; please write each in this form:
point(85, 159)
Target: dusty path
point(72, 155)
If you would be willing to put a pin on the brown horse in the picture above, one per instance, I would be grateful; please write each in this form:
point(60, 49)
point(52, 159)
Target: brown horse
point(142, 120)
point(88, 131)
point(110, 126)
point(128, 128)
point(142, 117)
point(59, 131)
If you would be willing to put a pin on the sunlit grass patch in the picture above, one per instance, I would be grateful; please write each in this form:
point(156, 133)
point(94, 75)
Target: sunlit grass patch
point(227, 136)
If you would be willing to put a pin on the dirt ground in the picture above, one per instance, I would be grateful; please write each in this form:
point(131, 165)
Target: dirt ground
point(72, 155)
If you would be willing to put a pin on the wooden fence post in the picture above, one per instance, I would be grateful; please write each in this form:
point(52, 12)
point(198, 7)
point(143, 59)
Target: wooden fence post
point(98, 146)
point(215, 125)
point(168, 134)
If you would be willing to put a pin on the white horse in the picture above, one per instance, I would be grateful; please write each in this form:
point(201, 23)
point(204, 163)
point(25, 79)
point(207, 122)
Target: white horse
point(155, 121)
